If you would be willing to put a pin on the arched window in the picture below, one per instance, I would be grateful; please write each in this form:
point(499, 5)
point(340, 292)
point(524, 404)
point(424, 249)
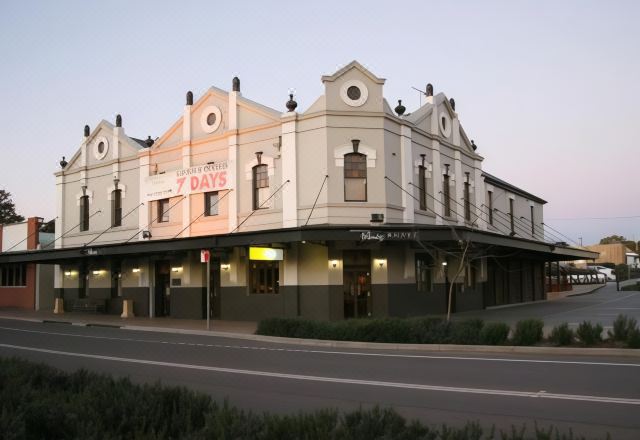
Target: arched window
point(116, 208)
point(84, 213)
point(260, 185)
point(355, 177)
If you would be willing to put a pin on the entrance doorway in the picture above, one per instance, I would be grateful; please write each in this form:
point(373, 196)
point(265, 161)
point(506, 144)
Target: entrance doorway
point(162, 290)
point(214, 293)
point(356, 276)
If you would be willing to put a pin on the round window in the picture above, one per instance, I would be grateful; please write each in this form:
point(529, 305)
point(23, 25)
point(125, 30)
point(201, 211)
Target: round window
point(101, 148)
point(210, 119)
point(354, 93)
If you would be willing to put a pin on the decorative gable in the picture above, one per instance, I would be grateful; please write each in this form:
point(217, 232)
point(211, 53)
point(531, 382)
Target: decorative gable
point(353, 88)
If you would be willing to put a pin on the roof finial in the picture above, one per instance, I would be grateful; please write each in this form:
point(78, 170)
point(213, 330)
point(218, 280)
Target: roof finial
point(87, 131)
point(473, 145)
point(453, 103)
point(63, 163)
point(118, 121)
point(356, 144)
point(400, 109)
point(429, 89)
point(149, 142)
point(291, 104)
point(189, 97)
point(235, 84)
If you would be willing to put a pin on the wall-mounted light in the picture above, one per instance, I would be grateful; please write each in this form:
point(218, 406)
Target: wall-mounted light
point(176, 269)
point(225, 266)
point(97, 272)
point(444, 264)
point(146, 234)
point(135, 270)
point(381, 262)
point(67, 273)
point(333, 263)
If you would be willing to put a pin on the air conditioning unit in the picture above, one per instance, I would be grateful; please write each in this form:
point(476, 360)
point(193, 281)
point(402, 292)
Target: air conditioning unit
point(377, 218)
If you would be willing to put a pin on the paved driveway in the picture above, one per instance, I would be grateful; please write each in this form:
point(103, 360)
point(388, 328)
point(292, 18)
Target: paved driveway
point(601, 306)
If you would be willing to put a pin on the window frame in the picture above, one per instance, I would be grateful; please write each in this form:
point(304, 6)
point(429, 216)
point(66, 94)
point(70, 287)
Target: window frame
point(162, 214)
point(422, 186)
point(533, 230)
point(446, 194)
point(116, 208)
point(512, 215)
point(360, 173)
point(264, 277)
point(208, 203)
point(84, 213)
point(13, 275)
point(467, 201)
point(259, 180)
point(423, 262)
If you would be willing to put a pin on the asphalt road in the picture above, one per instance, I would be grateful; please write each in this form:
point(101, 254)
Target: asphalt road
point(602, 306)
point(591, 395)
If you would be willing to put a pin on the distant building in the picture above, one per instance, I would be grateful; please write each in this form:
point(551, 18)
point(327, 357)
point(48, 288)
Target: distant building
point(614, 253)
point(25, 285)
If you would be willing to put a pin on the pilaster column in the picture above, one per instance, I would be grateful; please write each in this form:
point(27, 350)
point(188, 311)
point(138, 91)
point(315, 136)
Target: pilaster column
point(289, 161)
point(458, 204)
point(480, 195)
point(437, 183)
point(232, 157)
point(144, 159)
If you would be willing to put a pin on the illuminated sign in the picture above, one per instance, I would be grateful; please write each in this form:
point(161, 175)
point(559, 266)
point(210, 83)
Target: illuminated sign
point(197, 179)
point(265, 254)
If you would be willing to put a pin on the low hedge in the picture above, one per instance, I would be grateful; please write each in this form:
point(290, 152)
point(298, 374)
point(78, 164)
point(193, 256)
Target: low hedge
point(390, 330)
point(37, 402)
point(431, 330)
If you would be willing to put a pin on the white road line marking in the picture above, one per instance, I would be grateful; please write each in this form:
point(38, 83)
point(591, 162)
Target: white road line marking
point(412, 386)
point(341, 353)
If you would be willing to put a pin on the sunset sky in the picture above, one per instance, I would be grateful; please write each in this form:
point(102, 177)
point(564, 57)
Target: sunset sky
point(549, 91)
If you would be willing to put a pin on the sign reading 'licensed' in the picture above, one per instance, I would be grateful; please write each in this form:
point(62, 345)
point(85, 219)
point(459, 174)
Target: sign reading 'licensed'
point(193, 180)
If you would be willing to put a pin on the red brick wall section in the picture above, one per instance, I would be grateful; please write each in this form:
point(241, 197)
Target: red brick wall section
point(23, 297)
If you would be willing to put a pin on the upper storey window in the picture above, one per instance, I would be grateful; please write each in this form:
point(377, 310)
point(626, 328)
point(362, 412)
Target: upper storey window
point(260, 185)
point(163, 211)
point(446, 191)
point(116, 208)
point(355, 177)
point(84, 213)
point(467, 199)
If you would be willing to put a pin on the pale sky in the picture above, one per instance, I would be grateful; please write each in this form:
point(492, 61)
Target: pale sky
point(549, 90)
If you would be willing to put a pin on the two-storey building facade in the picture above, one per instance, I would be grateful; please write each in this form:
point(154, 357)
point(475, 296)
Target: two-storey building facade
point(347, 209)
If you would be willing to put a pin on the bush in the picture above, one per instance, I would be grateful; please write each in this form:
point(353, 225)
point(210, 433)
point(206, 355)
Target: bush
point(528, 332)
point(621, 328)
point(589, 334)
point(466, 332)
point(633, 338)
point(41, 402)
point(494, 333)
point(561, 335)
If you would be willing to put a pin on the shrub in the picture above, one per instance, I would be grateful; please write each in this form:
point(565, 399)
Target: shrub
point(430, 330)
point(621, 328)
point(528, 332)
point(633, 338)
point(466, 332)
point(41, 402)
point(589, 334)
point(561, 335)
point(494, 333)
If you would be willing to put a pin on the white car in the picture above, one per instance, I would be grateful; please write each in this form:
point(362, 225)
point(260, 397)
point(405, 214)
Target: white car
point(611, 276)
